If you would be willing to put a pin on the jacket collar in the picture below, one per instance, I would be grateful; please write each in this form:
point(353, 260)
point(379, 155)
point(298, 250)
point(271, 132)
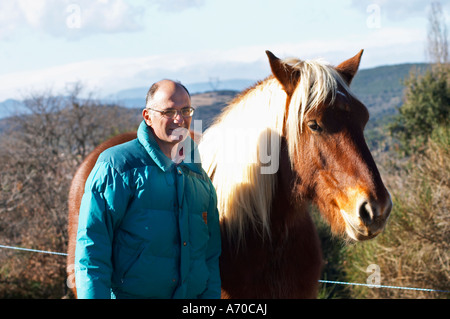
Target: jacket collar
point(192, 156)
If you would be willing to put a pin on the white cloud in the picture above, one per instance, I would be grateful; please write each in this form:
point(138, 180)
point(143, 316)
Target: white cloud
point(395, 9)
point(74, 19)
point(108, 76)
point(178, 5)
point(67, 18)
point(32, 11)
point(386, 45)
point(382, 46)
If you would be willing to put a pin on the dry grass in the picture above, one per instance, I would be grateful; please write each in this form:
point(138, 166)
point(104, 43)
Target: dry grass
point(414, 251)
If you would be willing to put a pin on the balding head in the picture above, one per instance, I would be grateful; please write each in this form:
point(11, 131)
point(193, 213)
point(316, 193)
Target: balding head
point(166, 86)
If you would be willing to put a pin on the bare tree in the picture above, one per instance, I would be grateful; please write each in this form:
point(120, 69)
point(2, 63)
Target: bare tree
point(40, 151)
point(437, 40)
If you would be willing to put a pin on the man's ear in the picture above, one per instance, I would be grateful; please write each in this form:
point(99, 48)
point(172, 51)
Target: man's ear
point(147, 117)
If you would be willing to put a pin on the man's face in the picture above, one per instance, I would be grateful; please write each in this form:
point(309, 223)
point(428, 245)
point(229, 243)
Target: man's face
point(168, 131)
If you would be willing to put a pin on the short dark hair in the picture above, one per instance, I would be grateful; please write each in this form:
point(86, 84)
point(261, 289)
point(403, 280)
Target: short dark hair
point(155, 86)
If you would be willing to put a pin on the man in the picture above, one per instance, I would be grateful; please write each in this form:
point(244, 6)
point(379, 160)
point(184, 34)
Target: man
point(148, 224)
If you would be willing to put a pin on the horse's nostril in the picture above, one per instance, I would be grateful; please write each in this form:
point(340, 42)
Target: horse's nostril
point(366, 213)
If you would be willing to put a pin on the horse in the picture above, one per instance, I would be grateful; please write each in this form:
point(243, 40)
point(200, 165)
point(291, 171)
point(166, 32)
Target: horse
point(292, 140)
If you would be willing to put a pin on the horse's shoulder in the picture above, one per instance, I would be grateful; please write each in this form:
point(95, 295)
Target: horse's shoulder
point(123, 157)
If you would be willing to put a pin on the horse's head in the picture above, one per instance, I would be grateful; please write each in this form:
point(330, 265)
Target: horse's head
point(332, 163)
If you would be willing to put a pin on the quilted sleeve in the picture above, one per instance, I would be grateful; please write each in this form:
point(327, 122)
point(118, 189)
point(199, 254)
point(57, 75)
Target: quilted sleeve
point(103, 205)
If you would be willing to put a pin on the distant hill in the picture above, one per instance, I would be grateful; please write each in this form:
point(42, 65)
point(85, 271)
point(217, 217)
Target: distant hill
point(208, 105)
point(135, 97)
point(9, 106)
point(380, 89)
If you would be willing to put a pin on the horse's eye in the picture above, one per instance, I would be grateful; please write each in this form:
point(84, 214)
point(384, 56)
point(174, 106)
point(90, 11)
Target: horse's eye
point(314, 126)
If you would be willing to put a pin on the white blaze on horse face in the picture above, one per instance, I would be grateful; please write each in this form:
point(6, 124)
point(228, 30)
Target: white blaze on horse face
point(349, 207)
point(349, 228)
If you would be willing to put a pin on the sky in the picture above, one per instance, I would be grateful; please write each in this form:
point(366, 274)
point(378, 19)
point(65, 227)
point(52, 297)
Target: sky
point(114, 45)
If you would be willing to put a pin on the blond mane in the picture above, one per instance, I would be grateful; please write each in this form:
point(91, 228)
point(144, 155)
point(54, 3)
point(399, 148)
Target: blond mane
point(231, 148)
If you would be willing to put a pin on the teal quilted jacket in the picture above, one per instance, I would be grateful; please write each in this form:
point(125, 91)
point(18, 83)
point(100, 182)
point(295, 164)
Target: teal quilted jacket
point(148, 228)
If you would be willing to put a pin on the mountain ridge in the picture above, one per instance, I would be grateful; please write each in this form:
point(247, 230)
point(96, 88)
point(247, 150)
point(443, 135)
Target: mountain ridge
point(380, 89)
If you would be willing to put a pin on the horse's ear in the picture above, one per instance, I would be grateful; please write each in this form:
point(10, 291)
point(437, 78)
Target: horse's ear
point(349, 68)
point(282, 72)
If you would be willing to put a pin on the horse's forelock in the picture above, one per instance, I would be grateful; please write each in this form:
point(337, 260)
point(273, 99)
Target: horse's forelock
point(318, 85)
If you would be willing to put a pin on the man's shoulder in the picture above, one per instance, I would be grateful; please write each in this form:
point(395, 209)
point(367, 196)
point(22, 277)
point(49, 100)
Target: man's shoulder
point(126, 156)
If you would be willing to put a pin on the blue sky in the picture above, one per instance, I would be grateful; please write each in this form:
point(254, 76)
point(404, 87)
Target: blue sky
point(112, 45)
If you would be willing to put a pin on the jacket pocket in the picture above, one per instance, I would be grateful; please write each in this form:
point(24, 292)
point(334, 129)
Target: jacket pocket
point(125, 261)
point(150, 277)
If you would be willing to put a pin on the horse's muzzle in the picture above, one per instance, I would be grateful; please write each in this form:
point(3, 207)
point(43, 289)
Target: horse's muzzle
point(369, 219)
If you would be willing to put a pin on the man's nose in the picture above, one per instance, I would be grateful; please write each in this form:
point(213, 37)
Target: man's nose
point(178, 117)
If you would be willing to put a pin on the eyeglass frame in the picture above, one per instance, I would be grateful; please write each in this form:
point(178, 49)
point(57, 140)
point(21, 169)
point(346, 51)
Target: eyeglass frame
point(176, 112)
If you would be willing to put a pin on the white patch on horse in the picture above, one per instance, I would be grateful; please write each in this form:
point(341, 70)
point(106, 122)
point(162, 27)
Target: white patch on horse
point(342, 94)
point(342, 106)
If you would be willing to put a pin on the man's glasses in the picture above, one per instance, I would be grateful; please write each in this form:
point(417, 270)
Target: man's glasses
point(172, 113)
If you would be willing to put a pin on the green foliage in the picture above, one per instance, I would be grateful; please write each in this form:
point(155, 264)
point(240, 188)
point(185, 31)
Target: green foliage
point(381, 89)
point(426, 107)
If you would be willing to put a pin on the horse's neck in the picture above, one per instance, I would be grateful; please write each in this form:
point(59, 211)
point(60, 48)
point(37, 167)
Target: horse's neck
point(289, 217)
point(286, 201)
point(290, 222)
point(285, 266)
